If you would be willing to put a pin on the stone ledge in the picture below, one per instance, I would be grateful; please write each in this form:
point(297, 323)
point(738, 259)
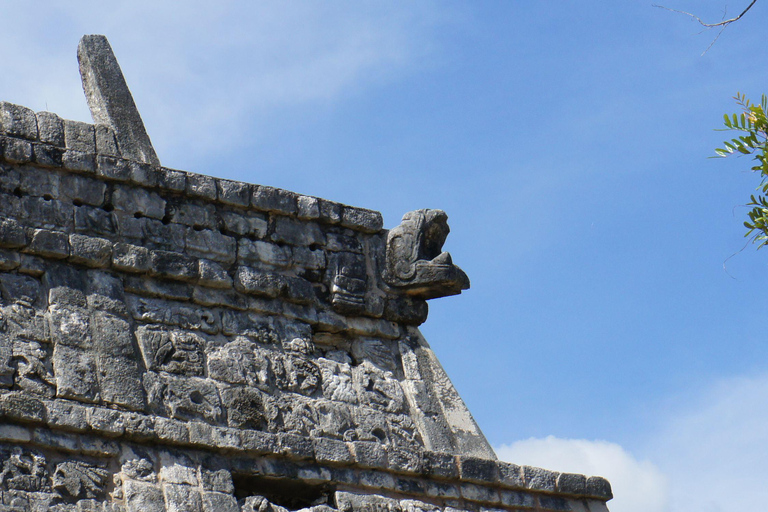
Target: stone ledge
point(476, 479)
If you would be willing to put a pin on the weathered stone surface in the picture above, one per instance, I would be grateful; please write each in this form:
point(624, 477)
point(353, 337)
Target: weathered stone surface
point(51, 129)
point(110, 100)
point(18, 121)
point(173, 341)
point(90, 251)
point(80, 136)
point(415, 263)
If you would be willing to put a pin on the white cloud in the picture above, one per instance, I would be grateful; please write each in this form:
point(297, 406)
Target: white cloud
point(210, 72)
point(709, 454)
point(638, 486)
point(715, 451)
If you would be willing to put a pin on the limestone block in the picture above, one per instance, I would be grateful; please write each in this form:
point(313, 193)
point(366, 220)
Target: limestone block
point(167, 237)
point(219, 480)
point(51, 129)
point(83, 189)
point(143, 497)
point(90, 251)
point(106, 143)
point(250, 252)
point(130, 258)
point(570, 483)
point(190, 214)
point(202, 186)
point(233, 192)
point(47, 156)
point(440, 464)
point(94, 221)
point(171, 351)
point(331, 450)
point(22, 407)
point(143, 174)
point(75, 371)
point(516, 499)
point(171, 179)
point(307, 258)
point(475, 492)
point(158, 288)
point(110, 100)
point(599, 487)
point(240, 361)
point(9, 260)
point(212, 274)
point(137, 200)
point(172, 431)
point(16, 151)
point(339, 242)
point(361, 219)
point(248, 408)
point(19, 289)
point(539, 479)
point(18, 121)
point(70, 326)
point(219, 502)
point(113, 168)
point(48, 214)
point(296, 232)
point(14, 434)
point(212, 245)
point(511, 474)
point(265, 284)
point(173, 265)
point(308, 208)
point(296, 446)
point(12, 235)
point(407, 310)
point(272, 199)
point(330, 212)
point(477, 469)
point(250, 224)
point(185, 398)
point(80, 136)
point(369, 454)
point(66, 415)
point(78, 161)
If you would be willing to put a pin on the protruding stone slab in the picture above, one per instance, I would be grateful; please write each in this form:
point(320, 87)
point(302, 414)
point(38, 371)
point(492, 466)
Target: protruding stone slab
point(110, 100)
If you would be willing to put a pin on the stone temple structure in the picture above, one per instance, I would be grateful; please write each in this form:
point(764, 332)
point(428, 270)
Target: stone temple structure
point(174, 341)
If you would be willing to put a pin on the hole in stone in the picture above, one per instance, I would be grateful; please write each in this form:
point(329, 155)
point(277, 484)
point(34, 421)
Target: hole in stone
point(380, 435)
point(47, 197)
point(197, 227)
point(314, 247)
point(291, 494)
point(196, 397)
point(166, 220)
point(77, 202)
point(369, 386)
point(17, 192)
point(138, 215)
point(108, 207)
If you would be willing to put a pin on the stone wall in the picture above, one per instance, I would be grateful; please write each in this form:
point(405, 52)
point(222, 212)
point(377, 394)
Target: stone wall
point(173, 341)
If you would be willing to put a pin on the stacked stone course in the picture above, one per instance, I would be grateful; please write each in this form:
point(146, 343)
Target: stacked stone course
point(173, 341)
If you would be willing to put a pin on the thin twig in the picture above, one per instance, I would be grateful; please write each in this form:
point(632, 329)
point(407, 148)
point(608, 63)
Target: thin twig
point(714, 40)
point(711, 25)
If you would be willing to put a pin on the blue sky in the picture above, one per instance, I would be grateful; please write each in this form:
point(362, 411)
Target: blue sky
point(568, 143)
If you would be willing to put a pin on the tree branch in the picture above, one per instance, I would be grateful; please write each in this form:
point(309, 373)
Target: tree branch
point(723, 23)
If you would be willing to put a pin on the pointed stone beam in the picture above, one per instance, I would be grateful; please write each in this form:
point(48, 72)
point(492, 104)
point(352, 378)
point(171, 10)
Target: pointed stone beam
point(110, 100)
